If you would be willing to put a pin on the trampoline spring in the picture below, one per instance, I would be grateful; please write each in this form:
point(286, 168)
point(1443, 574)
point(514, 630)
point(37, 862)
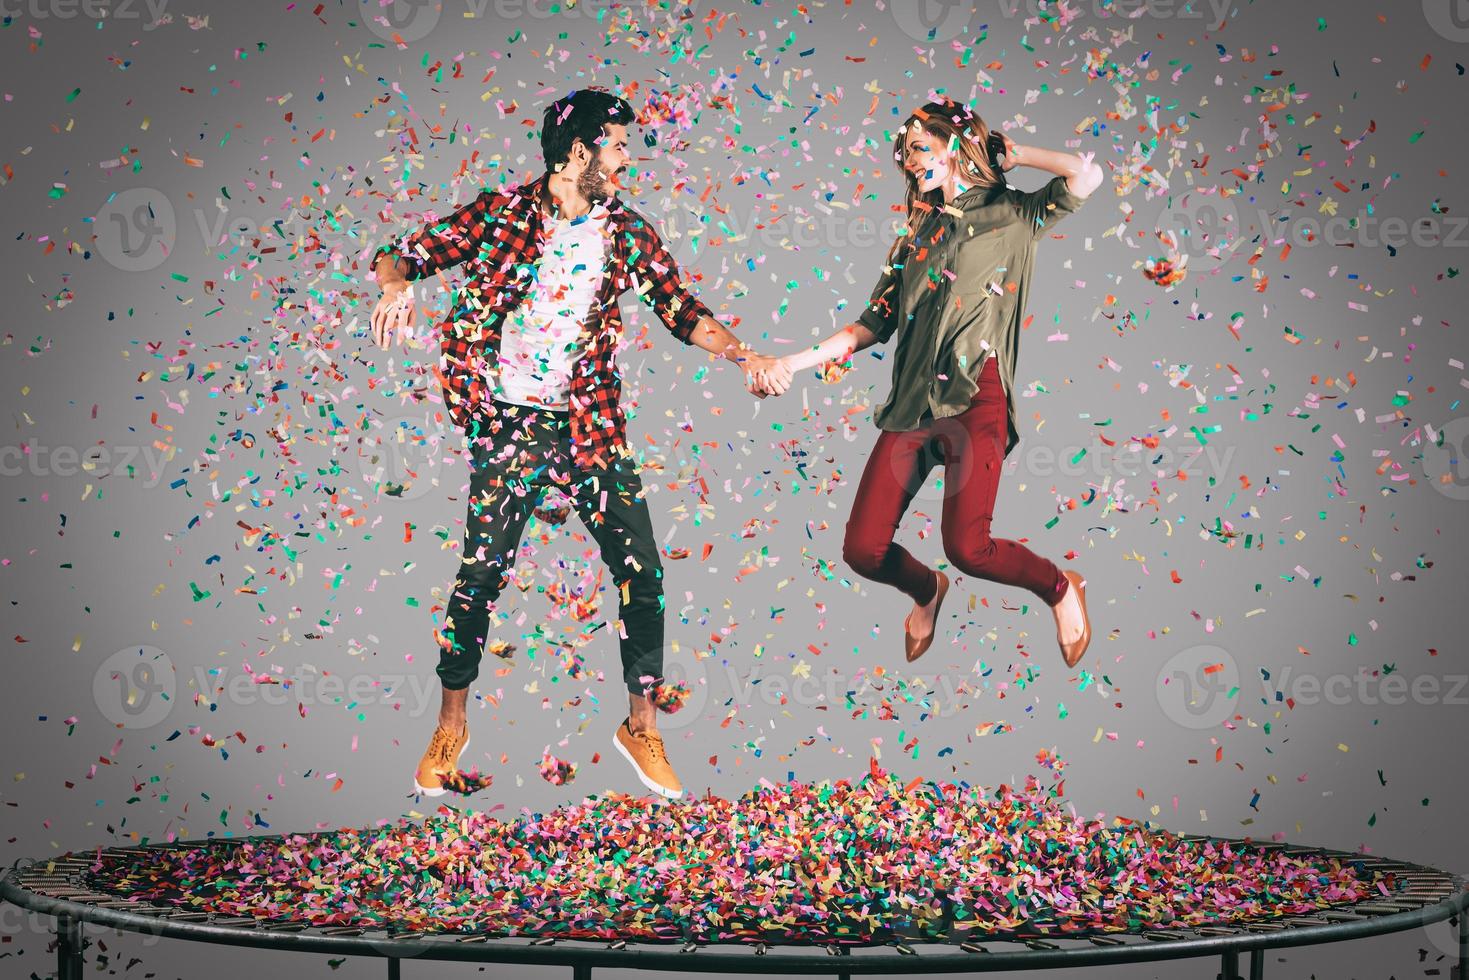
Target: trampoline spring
point(55, 884)
point(617, 944)
point(1040, 944)
point(689, 948)
point(284, 926)
point(1163, 936)
point(905, 949)
point(972, 948)
point(1263, 927)
point(342, 931)
point(833, 951)
point(544, 941)
point(1343, 916)
point(1106, 941)
point(480, 938)
point(761, 949)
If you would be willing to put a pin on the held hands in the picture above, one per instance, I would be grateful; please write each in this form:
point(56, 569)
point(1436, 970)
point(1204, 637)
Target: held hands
point(394, 312)
point(766, 375)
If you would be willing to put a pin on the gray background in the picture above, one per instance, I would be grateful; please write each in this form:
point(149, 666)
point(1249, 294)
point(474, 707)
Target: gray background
point(110, 306)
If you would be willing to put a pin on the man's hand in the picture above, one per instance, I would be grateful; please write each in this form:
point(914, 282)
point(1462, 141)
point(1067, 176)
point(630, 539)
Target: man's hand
point(778, 376)
point(767, 375)
point(393, 312)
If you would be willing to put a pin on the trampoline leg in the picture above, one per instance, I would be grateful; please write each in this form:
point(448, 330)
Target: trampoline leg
point(1257, 964)
point(1229, 965)
point(1462, 970)
point(581, 973)
point(395, 968)
point(68, 948)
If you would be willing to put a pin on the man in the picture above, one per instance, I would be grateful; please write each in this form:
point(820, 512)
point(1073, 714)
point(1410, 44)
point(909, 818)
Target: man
point(527, 369)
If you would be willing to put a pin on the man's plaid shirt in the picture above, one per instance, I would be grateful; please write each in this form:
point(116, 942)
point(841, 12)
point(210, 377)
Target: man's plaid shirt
point(500, 234)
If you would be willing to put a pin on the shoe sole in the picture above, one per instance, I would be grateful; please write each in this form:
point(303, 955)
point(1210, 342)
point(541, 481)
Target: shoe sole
point(425, 791)
point(642, 778)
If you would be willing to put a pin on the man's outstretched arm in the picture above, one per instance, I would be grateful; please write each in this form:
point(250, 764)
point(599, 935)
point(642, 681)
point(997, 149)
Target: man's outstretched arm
point(716, 338)
point(435, 247)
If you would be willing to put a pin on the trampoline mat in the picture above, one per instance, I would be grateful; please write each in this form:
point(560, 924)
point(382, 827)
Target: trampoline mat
point(866, 862)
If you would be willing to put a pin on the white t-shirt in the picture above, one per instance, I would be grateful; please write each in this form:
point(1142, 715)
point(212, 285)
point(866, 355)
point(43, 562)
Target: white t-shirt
point(539, 340)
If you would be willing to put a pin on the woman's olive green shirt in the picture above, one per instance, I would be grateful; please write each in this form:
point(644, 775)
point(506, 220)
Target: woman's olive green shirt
point(955, 295)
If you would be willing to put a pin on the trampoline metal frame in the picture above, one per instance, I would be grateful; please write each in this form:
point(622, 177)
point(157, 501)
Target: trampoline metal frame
point(56, 888)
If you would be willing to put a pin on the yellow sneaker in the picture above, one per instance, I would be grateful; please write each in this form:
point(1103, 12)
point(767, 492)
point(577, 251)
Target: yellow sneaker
point(440, 761)
point(645, 751)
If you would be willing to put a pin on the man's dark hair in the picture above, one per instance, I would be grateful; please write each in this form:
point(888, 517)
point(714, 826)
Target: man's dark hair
point(580, 116)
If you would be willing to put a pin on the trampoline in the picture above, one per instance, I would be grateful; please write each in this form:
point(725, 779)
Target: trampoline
point(845, 880)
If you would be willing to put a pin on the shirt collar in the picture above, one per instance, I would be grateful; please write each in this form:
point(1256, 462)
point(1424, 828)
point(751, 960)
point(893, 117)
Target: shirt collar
point(978, 194)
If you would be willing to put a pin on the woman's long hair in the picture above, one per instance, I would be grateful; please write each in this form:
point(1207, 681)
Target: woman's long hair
point(967, 138)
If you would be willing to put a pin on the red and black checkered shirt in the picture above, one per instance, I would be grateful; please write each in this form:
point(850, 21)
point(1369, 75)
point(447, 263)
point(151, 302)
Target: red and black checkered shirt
point(501, 234)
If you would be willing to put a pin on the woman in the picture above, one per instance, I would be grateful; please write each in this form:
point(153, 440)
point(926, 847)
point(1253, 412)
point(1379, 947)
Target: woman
point(954, 293)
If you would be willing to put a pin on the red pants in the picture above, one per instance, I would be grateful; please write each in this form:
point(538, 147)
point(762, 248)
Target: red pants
point(971, 447)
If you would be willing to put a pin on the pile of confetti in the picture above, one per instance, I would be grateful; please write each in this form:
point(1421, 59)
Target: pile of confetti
point(859, 862)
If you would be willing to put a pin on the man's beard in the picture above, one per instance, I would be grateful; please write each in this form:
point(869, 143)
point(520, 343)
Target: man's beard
point(593, 186)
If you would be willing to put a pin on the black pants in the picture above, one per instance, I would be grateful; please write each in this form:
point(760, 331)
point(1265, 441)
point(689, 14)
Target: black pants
point(531, 450)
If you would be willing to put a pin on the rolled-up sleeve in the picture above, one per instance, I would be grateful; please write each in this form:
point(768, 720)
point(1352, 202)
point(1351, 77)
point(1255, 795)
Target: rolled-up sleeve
point(445, 243)
point(1044, 207)
point(881, 314)
point(659, 281)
